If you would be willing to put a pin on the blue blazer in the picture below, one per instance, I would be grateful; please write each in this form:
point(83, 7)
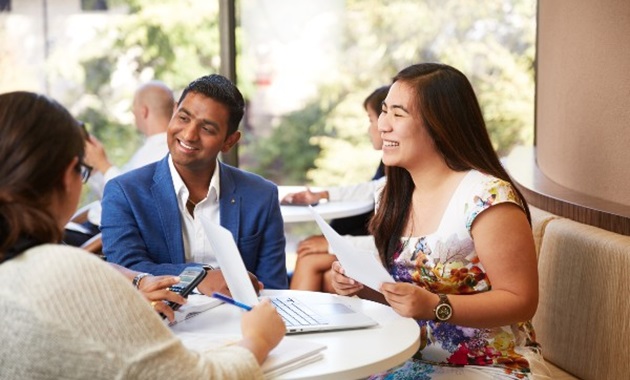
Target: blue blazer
point(142, 228)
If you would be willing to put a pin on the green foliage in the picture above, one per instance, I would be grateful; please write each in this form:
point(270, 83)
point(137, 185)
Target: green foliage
point(98, 71)
point(492, 42)
point(174, 41)
point(325, 142)
point(156, 42)
point(347, 156)
point(123, 139)
point(283, 155)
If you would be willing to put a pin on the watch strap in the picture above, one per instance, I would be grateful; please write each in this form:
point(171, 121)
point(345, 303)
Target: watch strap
point(136, 280)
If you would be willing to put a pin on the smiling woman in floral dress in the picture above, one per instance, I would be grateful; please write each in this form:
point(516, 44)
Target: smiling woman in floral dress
point(455, 234)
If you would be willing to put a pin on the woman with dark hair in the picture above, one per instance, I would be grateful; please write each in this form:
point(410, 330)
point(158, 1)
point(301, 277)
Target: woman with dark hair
point(454, 231)
point(36, 142)
point(65, 313)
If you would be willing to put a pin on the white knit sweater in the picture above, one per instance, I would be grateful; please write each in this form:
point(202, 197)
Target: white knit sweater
point(65, 314)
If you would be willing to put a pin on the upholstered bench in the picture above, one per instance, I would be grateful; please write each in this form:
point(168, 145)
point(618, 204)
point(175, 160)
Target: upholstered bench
point(583, 316)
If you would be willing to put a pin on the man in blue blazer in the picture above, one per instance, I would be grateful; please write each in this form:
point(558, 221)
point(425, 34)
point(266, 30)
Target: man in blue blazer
point(150, 215)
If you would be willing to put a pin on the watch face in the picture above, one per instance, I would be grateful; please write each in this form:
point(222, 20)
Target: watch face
point(443, 312)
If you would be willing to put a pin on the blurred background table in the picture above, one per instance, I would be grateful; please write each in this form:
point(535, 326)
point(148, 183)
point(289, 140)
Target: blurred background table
point(328, 210)
point(299, 222)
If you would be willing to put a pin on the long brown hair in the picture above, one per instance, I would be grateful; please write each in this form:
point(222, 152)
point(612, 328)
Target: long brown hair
point(38, 139)
point(445, 100)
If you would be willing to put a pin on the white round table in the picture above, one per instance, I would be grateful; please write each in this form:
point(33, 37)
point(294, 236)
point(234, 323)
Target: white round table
point(349, 354)
point(327, 210)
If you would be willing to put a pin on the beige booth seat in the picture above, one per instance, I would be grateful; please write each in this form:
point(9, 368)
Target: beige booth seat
point(583, 317)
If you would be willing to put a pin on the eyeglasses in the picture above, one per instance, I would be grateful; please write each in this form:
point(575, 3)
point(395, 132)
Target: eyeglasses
point(85, 170)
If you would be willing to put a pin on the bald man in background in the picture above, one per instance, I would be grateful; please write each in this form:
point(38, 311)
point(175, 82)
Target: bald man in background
point(152, 108)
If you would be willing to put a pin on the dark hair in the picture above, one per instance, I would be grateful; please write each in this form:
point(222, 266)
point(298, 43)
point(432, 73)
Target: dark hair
point(222, 90)
point(375, 100)
point(38, 139)
point(446, 103)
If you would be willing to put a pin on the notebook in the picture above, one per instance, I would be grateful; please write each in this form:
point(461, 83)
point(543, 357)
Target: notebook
point(320, 316)
point(289, 354)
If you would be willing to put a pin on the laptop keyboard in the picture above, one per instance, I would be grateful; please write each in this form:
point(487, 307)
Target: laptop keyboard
point(295, 313)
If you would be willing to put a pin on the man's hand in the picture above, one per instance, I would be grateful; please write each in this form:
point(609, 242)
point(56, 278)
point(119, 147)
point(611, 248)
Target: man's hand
point(215, 282)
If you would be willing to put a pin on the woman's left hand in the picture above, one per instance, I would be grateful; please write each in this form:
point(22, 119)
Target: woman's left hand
point(342, 284)
point(408, 300)
point(156, 289)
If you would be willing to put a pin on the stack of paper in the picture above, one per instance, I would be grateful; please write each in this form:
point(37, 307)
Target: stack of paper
point(197, 303)
point(290, 354)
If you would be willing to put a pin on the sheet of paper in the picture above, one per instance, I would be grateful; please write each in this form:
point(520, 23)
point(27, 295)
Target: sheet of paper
point(197, 303)
point(230, 261)
point(359, 264)
point(290, 354)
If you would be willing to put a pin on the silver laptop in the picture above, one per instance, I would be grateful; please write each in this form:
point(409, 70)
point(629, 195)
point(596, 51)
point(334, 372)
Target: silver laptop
point(299, 313)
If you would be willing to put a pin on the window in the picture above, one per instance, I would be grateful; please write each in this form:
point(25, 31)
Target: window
point(307, 66)
point(304, 67)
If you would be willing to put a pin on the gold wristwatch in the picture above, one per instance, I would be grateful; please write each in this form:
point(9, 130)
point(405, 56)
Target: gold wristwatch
point(443, 311)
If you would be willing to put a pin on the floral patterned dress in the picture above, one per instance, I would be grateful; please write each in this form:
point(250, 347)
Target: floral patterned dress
point(446, 262)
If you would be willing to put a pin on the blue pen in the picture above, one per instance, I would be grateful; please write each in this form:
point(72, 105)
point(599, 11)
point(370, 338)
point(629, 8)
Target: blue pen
point(231, 301)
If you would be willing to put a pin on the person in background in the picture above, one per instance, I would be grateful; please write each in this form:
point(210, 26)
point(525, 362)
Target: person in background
point(152, 109)
point(356, 225)
point(312, 267)
point(151, 215)
point(64, 312)
point(454, 232)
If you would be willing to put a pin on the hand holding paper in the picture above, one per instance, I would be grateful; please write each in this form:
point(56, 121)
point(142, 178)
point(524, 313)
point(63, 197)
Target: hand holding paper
point(359, 264)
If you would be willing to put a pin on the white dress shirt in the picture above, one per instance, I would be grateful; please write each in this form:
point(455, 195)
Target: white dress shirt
point(196, 245)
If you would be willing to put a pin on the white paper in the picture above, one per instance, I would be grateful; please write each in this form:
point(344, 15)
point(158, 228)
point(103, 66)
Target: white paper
point(228, 256)
point(197, 303)
point(288, 355)
point(359, 264)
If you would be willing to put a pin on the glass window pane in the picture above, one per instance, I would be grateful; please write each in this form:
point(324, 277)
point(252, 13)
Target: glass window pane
point(307, 66)
point(92, 62)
